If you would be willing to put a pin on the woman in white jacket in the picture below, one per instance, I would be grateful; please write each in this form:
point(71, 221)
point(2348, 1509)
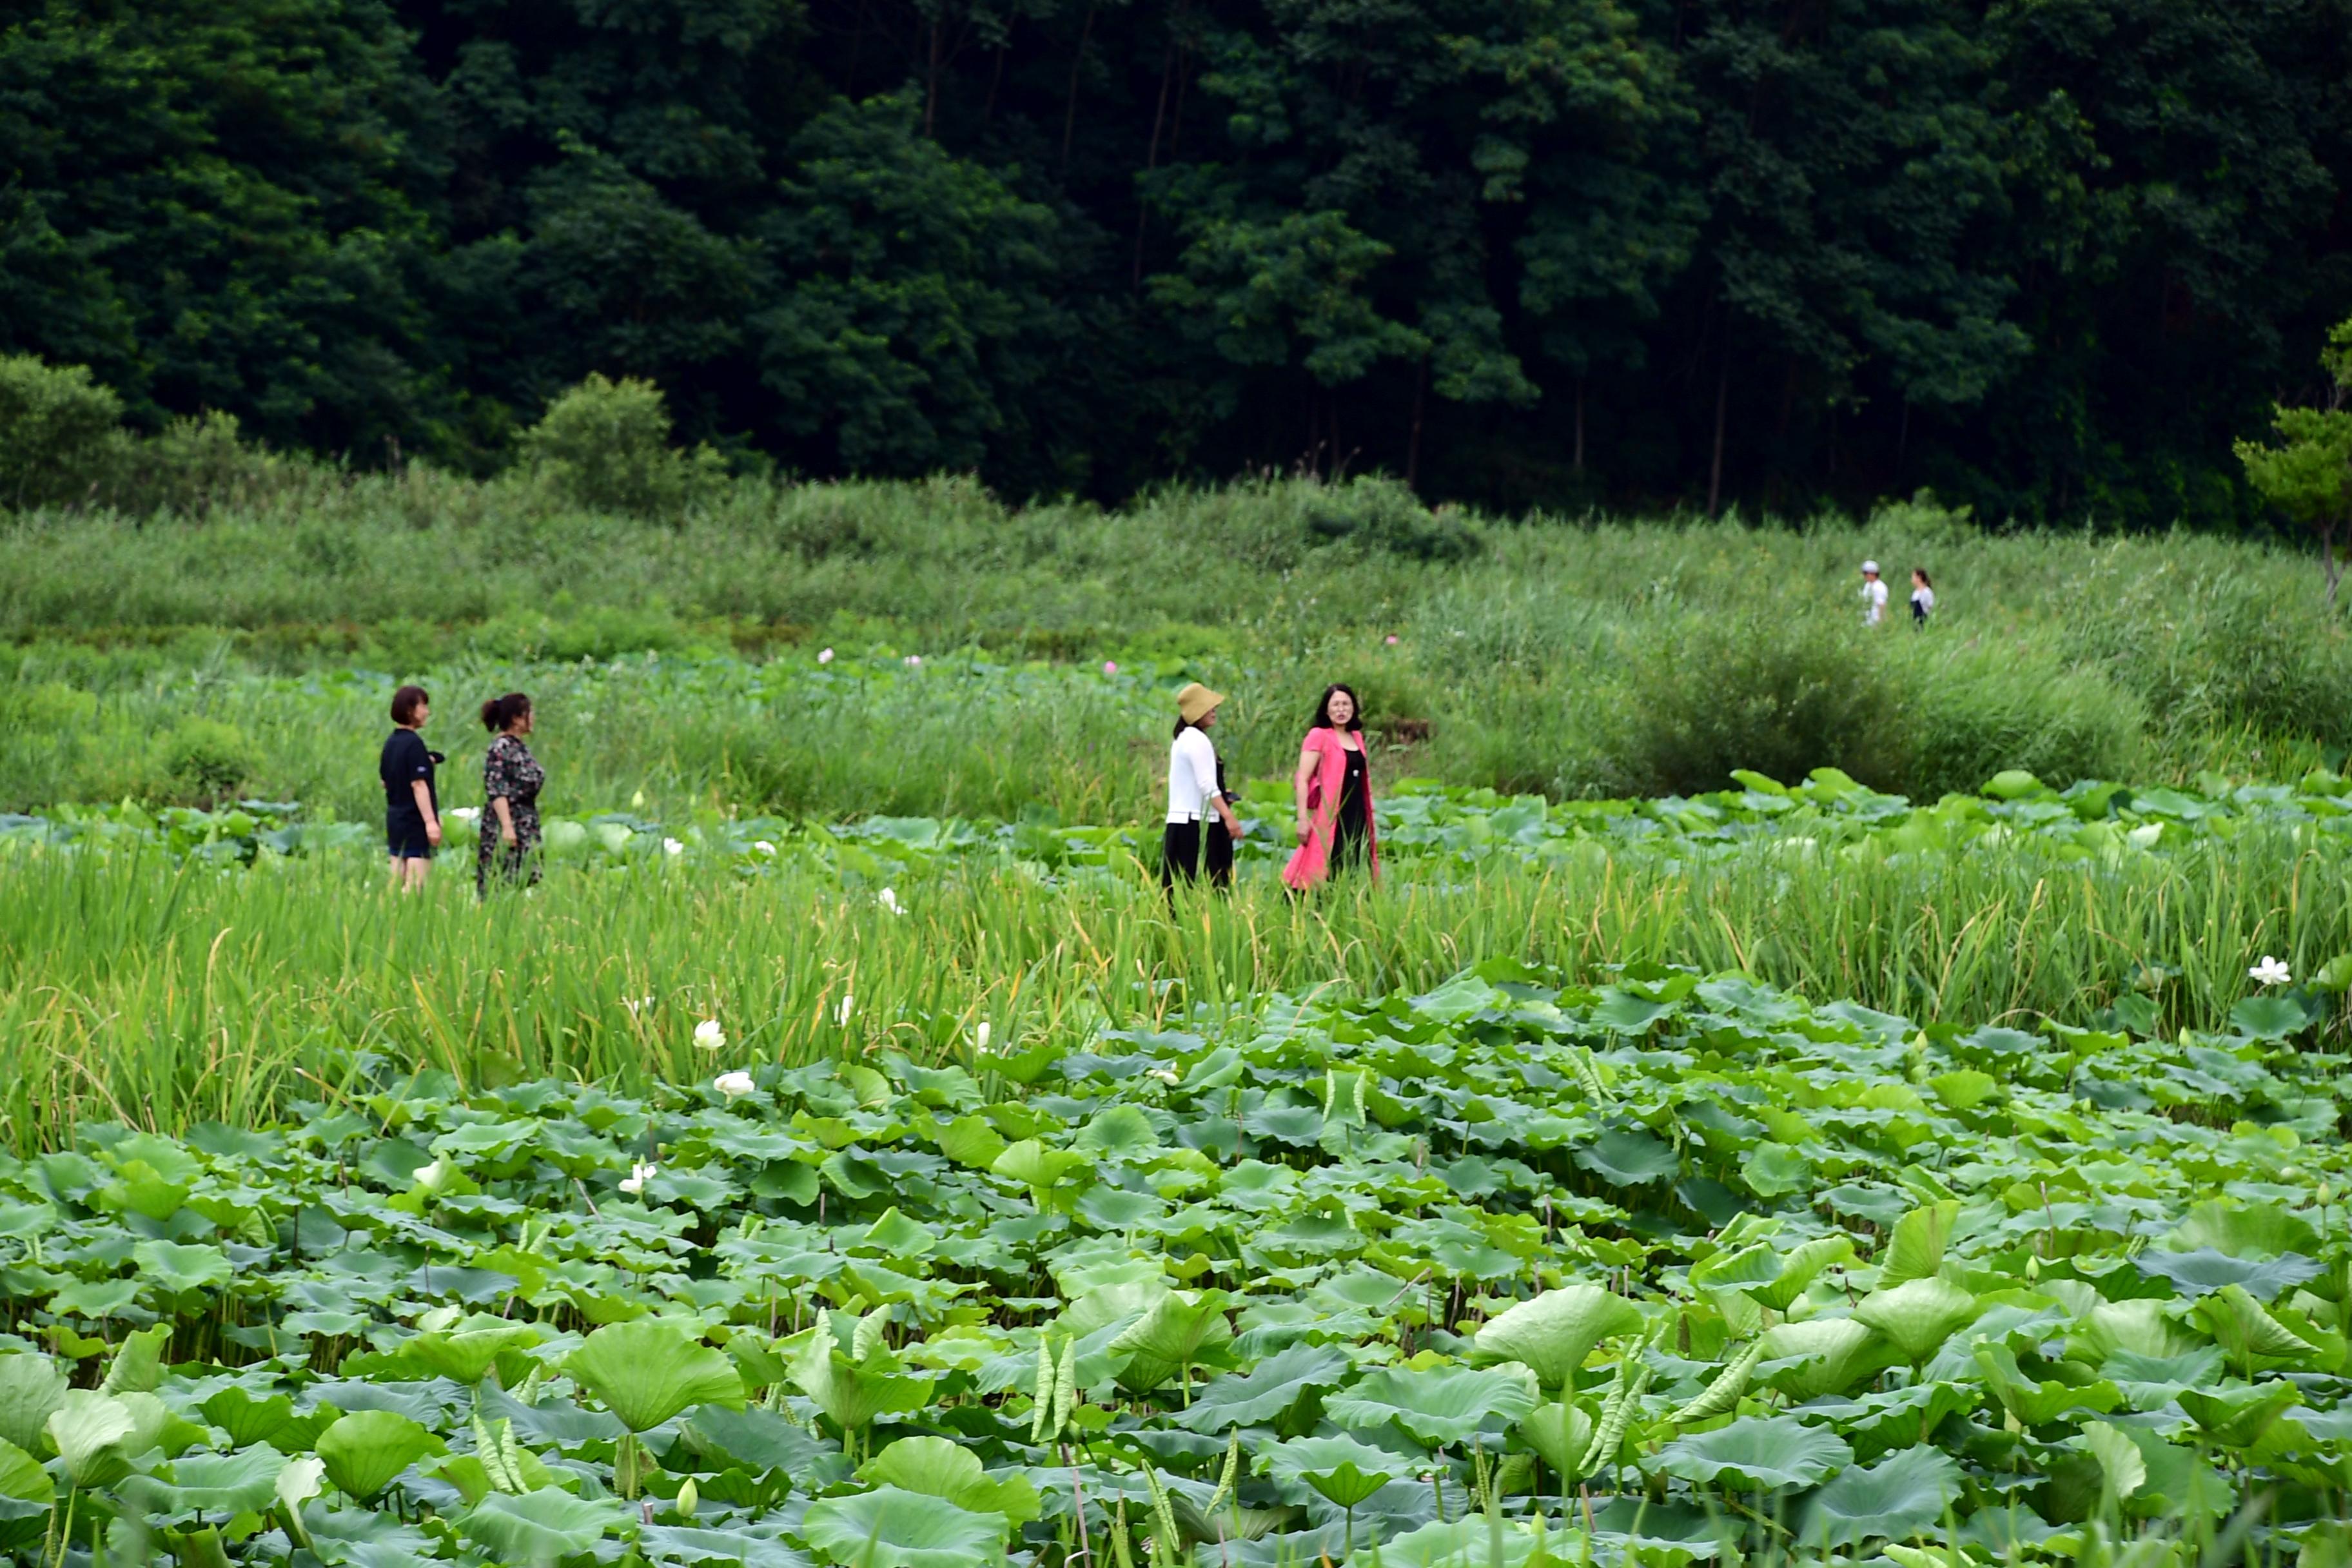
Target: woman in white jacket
point(1196, 798)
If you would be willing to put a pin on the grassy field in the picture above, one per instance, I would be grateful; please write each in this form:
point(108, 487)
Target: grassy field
point(1656, 1167)
point(1573, 657)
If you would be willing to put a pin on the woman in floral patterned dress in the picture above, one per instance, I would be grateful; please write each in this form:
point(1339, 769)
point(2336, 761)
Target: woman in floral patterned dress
point(511, 778)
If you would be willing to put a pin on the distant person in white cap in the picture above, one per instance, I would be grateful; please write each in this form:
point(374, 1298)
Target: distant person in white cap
point(1874, 595)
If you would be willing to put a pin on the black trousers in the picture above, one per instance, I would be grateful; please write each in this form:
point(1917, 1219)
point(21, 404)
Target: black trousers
point(1184, 846)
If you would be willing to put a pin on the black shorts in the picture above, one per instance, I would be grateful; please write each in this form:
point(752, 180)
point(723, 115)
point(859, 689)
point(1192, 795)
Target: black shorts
point(1184, 846)
point(406, 836)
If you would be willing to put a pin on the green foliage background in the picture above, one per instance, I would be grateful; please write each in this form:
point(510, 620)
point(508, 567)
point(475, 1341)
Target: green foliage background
point(2047, 257)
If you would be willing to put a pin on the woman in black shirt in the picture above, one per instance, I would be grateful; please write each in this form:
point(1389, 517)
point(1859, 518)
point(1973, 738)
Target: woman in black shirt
point(412, 810)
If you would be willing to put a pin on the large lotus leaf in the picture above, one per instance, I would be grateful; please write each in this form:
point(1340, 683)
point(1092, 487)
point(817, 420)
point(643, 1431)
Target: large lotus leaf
point(2208, 1269)
point(138, 1364)
point(2248, 1230)
point(759, 1441)
point(1918, 1316)
point(366, 1451)
point(175, 1267)
point(742, 1546)
point(2236, 1417)
point(465, 1355)
point(95, 1436)
point(853, 1393)
point(938, 1468)
point(1559, 1433)
point(1768, 1277)
point(1820, 1355)
point(649, 1371)
point(1273, 1386)
point(1438, 1406)
point(1170, 1337)
point(1757, 1452)
point(31, 1387)
point(2244, 1331)
point(1893, 1499)
point(1916, 1249)
point(223, 1484)
point(26, 1496)
point(1122, 1132)
point(2139, 1326)
point(1344, 1471)
point(542, 1526)
point(1629, 1158)
point(891, 1527)
point(1552, 1333)
point(2273, 1017)
point(1472, 1542)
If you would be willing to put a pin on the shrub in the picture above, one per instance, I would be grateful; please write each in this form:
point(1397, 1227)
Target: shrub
point(604, 445)
point(1972, 709)
point(1382, 514)
point(1770, 688)
point(59, 432)
point(205, 758)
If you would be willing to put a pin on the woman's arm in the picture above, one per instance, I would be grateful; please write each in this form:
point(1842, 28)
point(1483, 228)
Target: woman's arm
point(424, 809)
point(1310, 761)
point(506, 818)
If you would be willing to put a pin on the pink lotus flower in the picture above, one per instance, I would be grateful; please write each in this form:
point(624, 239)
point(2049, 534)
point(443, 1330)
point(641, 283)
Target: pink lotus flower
point(1110, 666)
point(1393, 639)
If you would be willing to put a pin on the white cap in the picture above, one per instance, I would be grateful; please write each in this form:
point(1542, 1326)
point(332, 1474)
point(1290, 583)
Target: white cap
point(1871, 567)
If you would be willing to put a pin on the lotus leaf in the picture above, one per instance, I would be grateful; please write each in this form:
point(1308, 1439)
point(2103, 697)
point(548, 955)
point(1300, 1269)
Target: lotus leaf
point(1456, 1543)
point(1562, 1435)
point(1342, 1470)
point(1629, 1158)
point(649, 1371)
point(1757, 1452)
point(935, 1466)
point(541, 1526)
point(1275, 1386)
point(1438, 1406)
point(1900, 1497)
point(366, 1451)
point(890, 1527)
point(1918, 1316)
point(31, 1387)
point(2206, 1270)
point(1551, 1334)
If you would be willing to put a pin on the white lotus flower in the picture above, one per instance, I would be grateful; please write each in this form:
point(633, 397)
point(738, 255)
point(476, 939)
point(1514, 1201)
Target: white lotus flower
point(979, 1037)
point(914, 661)
point(764, 847)
point(465, 813)
point(710, 1035)
point(733, 1083)
point(1167, 1075)
point(672, 846)
point(639, 1174)
point(825, 656)
point(849, 998)
point(888, 899)
point(2270, 971)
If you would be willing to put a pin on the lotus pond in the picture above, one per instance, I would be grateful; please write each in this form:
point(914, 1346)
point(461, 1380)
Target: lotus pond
point(1424, 824)
point(1669, 1271)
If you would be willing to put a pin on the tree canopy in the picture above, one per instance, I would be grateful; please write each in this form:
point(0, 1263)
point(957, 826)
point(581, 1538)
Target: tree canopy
point(2046, 256)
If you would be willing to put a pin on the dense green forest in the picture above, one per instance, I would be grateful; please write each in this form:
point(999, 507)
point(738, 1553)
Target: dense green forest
point(2046, 256)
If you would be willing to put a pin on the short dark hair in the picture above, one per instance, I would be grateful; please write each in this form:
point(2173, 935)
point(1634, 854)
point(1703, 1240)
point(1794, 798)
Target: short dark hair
point(1323, 707)
point(500, 712)
point(406, 701)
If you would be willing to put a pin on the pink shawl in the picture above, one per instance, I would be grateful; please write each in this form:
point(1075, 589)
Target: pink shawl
point(1312, 863)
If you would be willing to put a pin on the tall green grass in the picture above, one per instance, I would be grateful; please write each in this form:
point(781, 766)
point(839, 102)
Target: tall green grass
point(135, 990)
point(1570, 656)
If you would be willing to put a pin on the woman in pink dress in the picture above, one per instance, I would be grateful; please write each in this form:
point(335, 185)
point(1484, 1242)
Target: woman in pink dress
point(1334, 790)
